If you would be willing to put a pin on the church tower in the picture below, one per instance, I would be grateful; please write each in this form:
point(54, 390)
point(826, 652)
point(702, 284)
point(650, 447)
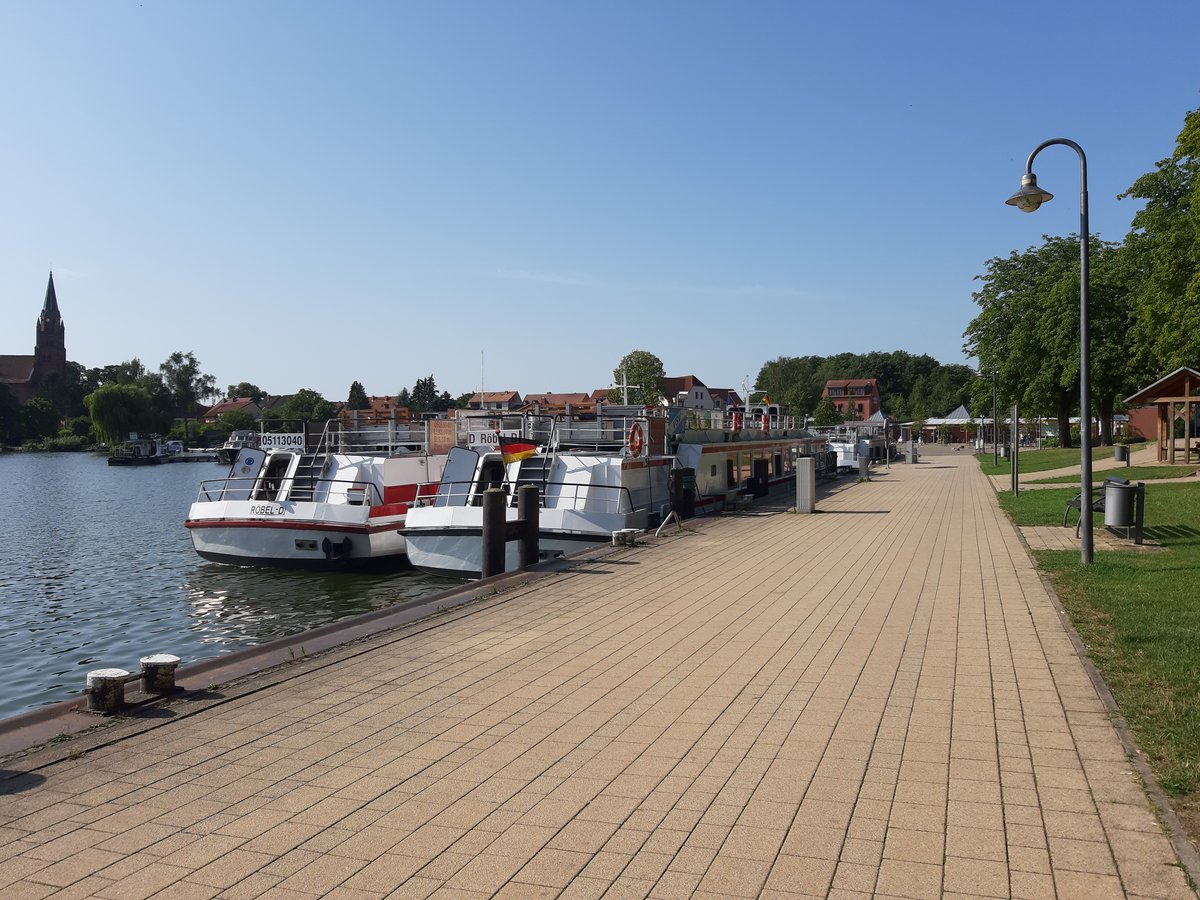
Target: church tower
point(50, 352)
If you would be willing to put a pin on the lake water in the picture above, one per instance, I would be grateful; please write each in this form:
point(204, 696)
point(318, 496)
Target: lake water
point(97, 570)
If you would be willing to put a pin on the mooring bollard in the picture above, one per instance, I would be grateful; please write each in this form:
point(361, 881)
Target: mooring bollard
point(158, 673)
point(106, 690)
point(492, 561)
point(528, 506)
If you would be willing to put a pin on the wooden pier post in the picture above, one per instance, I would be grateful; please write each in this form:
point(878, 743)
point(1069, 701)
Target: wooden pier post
point(494, 532)
point(528, 505)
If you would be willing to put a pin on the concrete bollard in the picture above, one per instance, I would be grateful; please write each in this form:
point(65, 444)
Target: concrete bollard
point(106, 690)
point(158, 673)
point(806, 485)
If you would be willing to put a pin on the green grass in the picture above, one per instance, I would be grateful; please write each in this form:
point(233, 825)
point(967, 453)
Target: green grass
point(1133, 473)
point(1041, 460)
point(1139, 615)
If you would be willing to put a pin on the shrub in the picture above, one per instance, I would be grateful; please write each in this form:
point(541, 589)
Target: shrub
point(65, 444)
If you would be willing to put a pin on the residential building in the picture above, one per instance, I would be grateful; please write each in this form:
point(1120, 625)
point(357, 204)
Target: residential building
point(856, 399)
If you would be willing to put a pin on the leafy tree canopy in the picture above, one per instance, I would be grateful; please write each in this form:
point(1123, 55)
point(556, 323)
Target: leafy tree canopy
point(643, 372)
point(306, 405)
point(118, 409)
point(245, 389)
point(826, 413)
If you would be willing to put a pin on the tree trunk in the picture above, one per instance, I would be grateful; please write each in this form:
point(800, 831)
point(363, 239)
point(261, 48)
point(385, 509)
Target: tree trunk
point(1104, 404)
point(1062, 403)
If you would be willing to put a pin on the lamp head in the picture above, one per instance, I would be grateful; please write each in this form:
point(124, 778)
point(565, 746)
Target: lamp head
point(1030, 196)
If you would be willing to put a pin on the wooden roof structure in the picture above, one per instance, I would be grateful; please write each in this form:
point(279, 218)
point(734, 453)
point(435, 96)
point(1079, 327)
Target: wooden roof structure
point(1177, 398)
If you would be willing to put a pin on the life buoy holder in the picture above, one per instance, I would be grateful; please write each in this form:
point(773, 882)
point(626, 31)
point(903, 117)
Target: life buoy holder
point(766, 423)
point(737, 422)
point(635, 441)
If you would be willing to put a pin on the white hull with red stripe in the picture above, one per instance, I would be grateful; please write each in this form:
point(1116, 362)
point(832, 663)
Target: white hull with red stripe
point(330, 511)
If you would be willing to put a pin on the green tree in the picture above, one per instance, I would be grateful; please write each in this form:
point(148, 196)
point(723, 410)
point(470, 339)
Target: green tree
point(1164, 259)
point(643, 372)
point(1028, 326)
point(185, 383)
point(306, 405)
point(358, 397)
point(39, 420)
point(826, 413)
point(245, 389)
point(462, 400)
point(118, 409)
point(10, 417)
point(234, 420)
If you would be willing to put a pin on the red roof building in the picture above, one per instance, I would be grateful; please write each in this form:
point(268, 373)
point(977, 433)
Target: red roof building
point(855, 398)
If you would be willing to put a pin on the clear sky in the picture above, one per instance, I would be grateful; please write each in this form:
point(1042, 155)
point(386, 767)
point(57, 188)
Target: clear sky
point(304, 194)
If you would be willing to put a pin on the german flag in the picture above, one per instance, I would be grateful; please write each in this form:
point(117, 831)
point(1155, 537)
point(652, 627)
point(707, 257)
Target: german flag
point(513, 449)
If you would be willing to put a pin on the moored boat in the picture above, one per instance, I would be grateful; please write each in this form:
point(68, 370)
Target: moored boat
point(333, 501)
point(594, 475)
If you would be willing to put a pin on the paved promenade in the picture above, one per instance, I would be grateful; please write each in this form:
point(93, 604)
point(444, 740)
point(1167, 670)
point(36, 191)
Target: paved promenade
point(879, 700)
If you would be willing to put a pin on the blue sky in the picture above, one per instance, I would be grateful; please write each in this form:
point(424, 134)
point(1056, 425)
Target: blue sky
point(305, 194)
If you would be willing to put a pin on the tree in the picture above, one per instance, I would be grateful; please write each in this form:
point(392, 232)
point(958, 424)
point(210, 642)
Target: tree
point(1164, 259)
point(10, 417)
point(462, 401)
point(358, 397)
point(306, 405)
point(643, 372)
point(826, 413)
point(185, 383)
point(234, 420)
point(39, 420)
point(1028, 325)
point(118, 409)
point(245, 389)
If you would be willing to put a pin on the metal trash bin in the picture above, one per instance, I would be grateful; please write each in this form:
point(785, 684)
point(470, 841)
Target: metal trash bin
point(1004, 451)
point(1121, 453)
point(1118, 504)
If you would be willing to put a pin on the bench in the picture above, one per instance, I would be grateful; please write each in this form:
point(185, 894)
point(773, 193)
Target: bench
point(1135, 531)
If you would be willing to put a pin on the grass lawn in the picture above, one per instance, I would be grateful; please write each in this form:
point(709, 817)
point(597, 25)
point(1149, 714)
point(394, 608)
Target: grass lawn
point(1133, 473)
point(1139, 614)
point(1041, 460)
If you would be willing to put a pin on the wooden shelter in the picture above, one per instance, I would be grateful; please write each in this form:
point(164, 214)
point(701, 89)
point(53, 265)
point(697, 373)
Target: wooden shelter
point(1177, 399)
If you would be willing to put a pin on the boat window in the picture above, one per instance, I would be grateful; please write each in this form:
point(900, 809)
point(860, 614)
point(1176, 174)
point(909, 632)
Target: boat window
point(272, 476)
point(457, 476)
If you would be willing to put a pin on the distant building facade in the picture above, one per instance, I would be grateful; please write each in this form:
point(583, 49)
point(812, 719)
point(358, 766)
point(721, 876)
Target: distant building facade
point(855, 398)
point(25, 376)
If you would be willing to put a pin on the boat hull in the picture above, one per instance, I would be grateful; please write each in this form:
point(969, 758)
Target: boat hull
point(449, 540)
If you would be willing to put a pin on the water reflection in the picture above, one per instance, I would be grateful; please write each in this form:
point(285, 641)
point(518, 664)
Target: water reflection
point(234, 607)
point(98, 570)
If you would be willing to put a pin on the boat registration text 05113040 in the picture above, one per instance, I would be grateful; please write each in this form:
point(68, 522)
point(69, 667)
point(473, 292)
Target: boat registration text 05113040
point(266, 509)
point(281, 441)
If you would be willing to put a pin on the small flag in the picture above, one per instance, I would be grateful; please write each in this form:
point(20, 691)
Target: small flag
point(513, 449)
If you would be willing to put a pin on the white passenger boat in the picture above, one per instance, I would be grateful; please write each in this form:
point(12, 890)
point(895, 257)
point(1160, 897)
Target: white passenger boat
point(595, 475)
point(333, 501)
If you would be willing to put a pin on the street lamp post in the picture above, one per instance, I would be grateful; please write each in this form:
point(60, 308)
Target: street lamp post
point(1027, 199)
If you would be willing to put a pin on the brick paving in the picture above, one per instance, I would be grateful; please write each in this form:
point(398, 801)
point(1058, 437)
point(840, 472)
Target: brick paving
point(877, 700)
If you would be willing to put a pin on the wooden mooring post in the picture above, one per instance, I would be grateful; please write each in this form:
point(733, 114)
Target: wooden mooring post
point(497, 532)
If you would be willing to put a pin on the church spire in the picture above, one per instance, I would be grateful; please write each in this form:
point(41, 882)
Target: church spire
point(50, 307)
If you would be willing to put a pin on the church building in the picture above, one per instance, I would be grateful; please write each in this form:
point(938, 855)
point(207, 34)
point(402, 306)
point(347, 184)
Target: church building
point(25, 376)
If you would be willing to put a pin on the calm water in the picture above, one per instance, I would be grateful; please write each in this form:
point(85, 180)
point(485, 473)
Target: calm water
point(96, 569)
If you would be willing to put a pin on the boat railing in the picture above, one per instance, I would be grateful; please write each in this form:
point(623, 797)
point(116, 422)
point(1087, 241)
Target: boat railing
point(331, 490)
point(573, 496)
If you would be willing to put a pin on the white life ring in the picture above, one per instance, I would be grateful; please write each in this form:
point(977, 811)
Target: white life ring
point(635, 442)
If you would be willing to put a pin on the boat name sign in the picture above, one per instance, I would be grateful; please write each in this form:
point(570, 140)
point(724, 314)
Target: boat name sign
point(478, 440)
point(281, 441)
